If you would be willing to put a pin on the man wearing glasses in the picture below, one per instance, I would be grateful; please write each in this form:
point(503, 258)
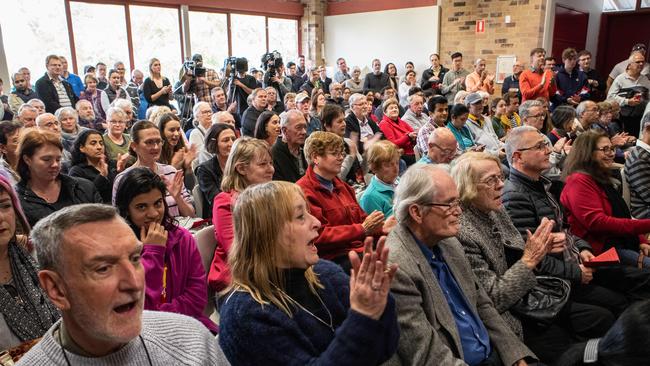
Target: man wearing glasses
point(442, 147)
point(445, 316)
point(532, 114)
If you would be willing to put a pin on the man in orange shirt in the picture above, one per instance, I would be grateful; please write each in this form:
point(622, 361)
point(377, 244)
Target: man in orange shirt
point(480, 79)
point(537, 82)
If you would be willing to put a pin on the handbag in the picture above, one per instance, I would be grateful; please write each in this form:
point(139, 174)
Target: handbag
point(544, 301)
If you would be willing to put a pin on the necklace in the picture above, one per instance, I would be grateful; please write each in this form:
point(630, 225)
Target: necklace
point(330, 325)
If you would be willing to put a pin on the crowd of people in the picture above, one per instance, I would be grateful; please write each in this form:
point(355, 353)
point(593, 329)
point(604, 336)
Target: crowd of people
point(361, 220)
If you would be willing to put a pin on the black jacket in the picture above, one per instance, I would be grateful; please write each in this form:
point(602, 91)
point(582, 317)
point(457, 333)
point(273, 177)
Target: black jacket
point(375, 82)
point(47, 93)
point(285, 164)
point(104, 185)
point(352, 125)
point(209, 174)
point(427, 74)
point(527, 203)
point(249, 120)
point(74, 191)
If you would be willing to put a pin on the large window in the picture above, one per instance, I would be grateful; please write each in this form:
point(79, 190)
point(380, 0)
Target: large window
point(31, 30)
point(155, 33)
point(283, 37)
point(99, 34)
point(209, 37)
point(248, 38)
point(619, 5)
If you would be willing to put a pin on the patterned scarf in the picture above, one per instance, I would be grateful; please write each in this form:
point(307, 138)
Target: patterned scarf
point(31, 315)
point(512, 122)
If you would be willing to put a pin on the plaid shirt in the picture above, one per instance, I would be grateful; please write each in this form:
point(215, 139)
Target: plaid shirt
point(202, 90)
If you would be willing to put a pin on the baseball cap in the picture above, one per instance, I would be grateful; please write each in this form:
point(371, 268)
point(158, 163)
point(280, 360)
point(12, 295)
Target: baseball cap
point(301, 97)
point(473, 98)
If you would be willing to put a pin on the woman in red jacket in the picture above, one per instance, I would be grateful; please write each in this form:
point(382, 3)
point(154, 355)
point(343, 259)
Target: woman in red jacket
point(397, 131)
point(344, 224)
point(594, 207)
point(249, 163)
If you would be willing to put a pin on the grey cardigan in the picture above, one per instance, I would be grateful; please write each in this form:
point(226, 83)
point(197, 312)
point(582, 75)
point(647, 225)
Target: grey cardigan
point(484, 238)
point(429, 335)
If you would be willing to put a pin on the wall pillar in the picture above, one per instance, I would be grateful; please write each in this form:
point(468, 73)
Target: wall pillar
point(312, 27)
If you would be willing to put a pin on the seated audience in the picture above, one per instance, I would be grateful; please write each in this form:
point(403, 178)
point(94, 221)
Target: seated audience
point(26, 312)
point(397, 131)
point(383, 160)
point(498, 114)
point(481, 127)
point(624, 344)
point(288, 158)
point(156, 88)
point(353, 168)
point(289, 306)
point(112, 92)
point(358, 125)
point(355, 84)
point(92, 94)
point(438, 112)
point(315, 107)
point(129, 110)
point(27, 115)
point(445, 316)
point(146, 148)
point(506, 265)
point(333, 202)
point(43, 189)
point(218, 142)
point(404, 87)
point(21, 93)
point(387, 93)
point(87, 117)
point(376, 80)
point(89, 161)
point(637, 174)
point(167, 248)
point(116, 142)
point(252, 113)
point(563, 119)
point(249, 163)
point(202, 121)
point(102, 318)
point(442, 149)
point(174, 152)
point(10, 132)
point(272, 102)
point(415, 115)
point(594, 208)
point(38, 104)
point(68, 121)
point(267, 127)
point(457, 125)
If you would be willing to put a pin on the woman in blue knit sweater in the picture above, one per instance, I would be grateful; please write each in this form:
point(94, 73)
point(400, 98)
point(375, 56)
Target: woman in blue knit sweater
point(287, 307)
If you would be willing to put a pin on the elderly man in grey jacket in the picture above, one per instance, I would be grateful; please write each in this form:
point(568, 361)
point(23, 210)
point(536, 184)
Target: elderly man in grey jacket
point(445, 316)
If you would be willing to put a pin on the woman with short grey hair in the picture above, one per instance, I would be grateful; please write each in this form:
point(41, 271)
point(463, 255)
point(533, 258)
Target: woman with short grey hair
point(70, 129)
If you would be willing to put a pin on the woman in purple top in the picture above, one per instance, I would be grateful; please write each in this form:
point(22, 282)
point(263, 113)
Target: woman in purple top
point(92, 94)
point(174, 274)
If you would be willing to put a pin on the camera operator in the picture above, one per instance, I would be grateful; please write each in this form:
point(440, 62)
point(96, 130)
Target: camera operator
point(201, 83)
point(243, 84)
point(274, 75)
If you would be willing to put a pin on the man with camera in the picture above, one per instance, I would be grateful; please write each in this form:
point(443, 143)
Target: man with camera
point(240, 83)
point(199, 80)
point(274, 74)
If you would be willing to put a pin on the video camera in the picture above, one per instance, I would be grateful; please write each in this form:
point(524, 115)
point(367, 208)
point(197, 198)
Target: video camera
point(235, 65)
point(192, 68)
point(271, 62)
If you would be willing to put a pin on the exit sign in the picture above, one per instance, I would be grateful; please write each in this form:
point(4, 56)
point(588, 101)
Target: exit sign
point(480, 26)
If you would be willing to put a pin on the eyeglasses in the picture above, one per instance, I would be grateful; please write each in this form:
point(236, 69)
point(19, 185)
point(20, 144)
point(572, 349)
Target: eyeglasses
point(537, 116)
point(337, 154)
point(609, 149)
point(540, 146)
point(449, 207)
point(150, 143)
point(446, 152)
point(117, 122)
point(494, 180)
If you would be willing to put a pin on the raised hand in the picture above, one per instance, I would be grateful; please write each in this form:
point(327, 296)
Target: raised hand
point(373, 222)
point(175, 185)
point(190, 155)
point(121, 161)
point(155, 234)
point(370, 279)
point(103, 167)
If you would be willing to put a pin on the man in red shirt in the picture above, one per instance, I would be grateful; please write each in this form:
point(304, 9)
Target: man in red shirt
point(537, 82)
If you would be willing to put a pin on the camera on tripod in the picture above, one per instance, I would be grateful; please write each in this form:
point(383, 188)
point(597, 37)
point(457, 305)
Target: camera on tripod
point(271, 62)
point(192, 68)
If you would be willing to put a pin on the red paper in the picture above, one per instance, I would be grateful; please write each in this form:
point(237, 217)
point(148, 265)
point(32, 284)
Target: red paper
point(606, 258)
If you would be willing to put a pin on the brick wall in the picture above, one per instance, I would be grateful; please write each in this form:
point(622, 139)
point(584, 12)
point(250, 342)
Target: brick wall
point(312, 30)
point(458, 30)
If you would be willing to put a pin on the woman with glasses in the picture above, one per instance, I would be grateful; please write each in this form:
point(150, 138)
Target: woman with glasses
point(115, 140)
point(333, 202)
point(594, 207)
point(507, 264)
point(146, 148)
point(353, 169)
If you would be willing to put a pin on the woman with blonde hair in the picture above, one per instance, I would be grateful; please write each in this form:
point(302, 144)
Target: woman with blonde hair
point(383, 159)
point(286, 306)
point(249, 163)
point(333, 202)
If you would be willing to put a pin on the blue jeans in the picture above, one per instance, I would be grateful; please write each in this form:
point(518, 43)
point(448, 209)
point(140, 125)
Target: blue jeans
point(631, 258)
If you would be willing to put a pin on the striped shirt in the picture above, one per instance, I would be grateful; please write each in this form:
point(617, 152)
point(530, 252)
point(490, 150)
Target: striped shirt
point(167, 173)
point(637, 174)
point(64, 100)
